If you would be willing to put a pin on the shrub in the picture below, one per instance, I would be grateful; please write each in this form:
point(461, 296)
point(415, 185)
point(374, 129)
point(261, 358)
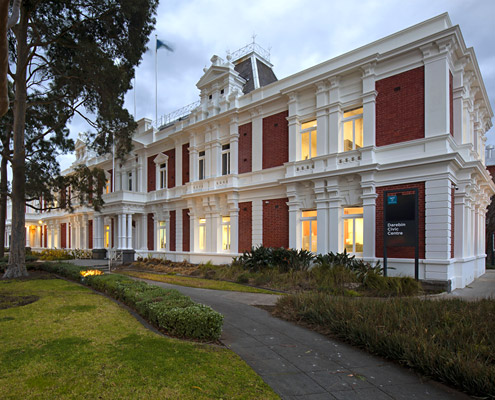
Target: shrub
point(262, 258)
point(168, 309)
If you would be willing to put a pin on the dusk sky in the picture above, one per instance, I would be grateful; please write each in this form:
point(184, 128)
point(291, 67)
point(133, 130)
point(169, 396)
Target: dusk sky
point(298, 33)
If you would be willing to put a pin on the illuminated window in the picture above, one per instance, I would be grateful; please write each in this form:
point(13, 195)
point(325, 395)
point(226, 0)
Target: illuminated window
point(107, 186)
point(202, 233)
point(353, 230)
point(162, 235)
point(225, 233)
point(226, 159)
point(308, 140)
point(201, 165)
point(309, 230)
point(353, 129)
point(163, 176)
point(107, 236)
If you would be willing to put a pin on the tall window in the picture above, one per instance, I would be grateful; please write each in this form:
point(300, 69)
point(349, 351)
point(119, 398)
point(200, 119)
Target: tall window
point(162, 235)
point(106, 236)
point(353, 230)
point(308, 140)
point(129, 181)
point(225, 233)
point(202, 233)
point(226, 159)
point(201, 165)
point(107, 186)
point(309, 230)
point(163, 175)
point(353, 129)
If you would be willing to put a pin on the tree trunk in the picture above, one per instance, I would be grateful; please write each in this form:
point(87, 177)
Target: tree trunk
point(17, 255)
point(4, 54)
point(3, 190)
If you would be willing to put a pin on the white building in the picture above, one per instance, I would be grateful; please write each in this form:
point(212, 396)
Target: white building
point(303, 162)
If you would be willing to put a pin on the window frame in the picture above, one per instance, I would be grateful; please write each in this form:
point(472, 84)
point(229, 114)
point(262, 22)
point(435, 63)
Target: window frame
point(129, 181)
point(226, 224)
point(201, 165)
point(353, 119)
point(353, 218)
point(162, 236)
point(226, 159)
point(309, 219)
point(163, 175)
point(202, 233)
point(310, 131)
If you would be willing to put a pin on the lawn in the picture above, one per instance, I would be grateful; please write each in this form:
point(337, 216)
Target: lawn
point(195, 282)
point(74, 343)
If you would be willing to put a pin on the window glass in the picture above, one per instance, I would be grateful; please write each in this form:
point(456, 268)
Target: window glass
point(353, 229)
point(163, 176)
point(358, 127)
point(162, 235)
point(353, 129)
point(308, 140)
point(307, 125)
point(354, 112)
point(225, 233)
point(305, 146)
point(201, 165)
point(107, 237)
point(129, 180)
point(309, 231)
point(226, 159)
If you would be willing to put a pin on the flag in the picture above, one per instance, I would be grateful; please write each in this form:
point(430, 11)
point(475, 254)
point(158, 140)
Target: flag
point(159, 44)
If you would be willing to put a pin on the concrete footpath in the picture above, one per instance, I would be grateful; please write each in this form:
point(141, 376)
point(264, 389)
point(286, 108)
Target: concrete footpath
point(300, 364)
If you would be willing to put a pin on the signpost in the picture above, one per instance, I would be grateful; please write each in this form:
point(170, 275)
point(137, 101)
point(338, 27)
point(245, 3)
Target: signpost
point(401, 223)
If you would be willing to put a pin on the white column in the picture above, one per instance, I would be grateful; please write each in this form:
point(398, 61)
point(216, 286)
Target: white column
point(52, 237)
point(129, 231)
point(28, 242)
point(369, 220)
point(234, 230)
point(119, 231)
point(369, 105)
point(321, 217)
point(234, 146)
point(335, 223)
point(335, 142)
point(144, 231)
point(437, 107)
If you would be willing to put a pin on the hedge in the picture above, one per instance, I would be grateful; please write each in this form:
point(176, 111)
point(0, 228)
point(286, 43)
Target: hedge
point(168, 309)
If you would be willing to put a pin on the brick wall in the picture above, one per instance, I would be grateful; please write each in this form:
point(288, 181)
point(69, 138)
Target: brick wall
point(170, 168)
point(400, 252)
point(186, 227)
point(491, 170)
point(70, 236)
point(151, 233)
point(245, 226)
point(90, 234)
point(245, 148)
point(185, 163)
point(276, 223)
point(400, 107)
point(45, 236)
point(151, 173)
point(275, 140)
point(172, 230)
point(63, 236)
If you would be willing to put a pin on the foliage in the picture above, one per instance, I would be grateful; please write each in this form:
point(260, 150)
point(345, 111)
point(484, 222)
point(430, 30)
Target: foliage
point(261, 258)
point(64, 254)
point(450, 340)
point(168, 309)
point(87, 347)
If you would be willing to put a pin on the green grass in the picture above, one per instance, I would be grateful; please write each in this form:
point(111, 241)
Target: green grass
point(196, 282)
point(450, 340)
point(73, 343)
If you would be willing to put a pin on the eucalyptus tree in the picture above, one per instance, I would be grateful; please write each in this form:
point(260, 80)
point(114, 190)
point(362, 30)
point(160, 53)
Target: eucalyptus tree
point(67, 58)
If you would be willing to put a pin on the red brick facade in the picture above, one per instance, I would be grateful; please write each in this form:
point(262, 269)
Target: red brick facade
point(151, 232)
point(400, 107)
point(245, 226)
point(45, 236)
point(276, 223)
point(170, 168)
point(172, 230)
point(63, 236)
point(186, 228)
point(151, 173)
point(275, 140)
point(90, 234)
point(400, 252)
point(185, 163)
point(245, 148)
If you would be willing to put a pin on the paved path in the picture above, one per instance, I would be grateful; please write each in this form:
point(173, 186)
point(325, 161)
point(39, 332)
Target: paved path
point(300, 364)
point(481, 288)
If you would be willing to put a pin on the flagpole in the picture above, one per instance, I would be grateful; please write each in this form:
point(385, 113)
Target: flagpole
point(156, 81)
point(134, 97)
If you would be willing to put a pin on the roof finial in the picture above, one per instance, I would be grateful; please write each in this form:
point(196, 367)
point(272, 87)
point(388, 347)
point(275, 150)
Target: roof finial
point(254, 37)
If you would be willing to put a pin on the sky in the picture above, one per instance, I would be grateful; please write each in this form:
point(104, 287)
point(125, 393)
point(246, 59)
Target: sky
point(298, 33)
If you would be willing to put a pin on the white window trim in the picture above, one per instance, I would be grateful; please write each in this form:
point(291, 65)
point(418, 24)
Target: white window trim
point(201, 157)
point(159, 160)
point(353, 217)
point(227, 152)
point(309, 130)
point(353, 119)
